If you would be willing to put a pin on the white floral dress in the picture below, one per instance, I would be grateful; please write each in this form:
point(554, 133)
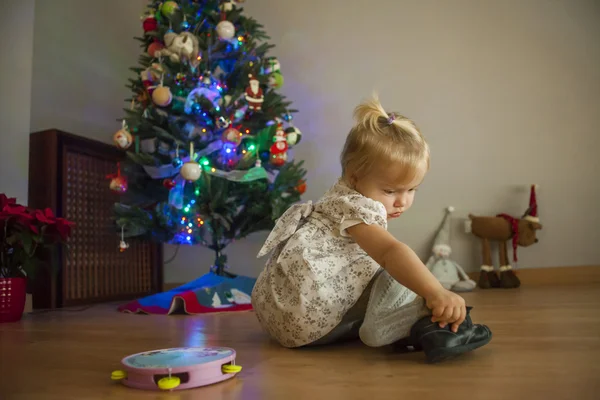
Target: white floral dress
point(317, 271)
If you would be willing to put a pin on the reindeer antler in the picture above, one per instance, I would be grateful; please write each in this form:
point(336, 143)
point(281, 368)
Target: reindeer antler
point(527, 212)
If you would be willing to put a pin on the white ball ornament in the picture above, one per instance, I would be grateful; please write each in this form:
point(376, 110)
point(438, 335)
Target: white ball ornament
point(225, 30)
point(191, 171)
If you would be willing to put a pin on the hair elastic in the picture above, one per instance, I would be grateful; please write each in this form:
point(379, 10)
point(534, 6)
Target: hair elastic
point(391, 118)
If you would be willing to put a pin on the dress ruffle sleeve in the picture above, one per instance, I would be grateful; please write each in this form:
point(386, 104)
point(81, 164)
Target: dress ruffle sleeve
point(354, 209)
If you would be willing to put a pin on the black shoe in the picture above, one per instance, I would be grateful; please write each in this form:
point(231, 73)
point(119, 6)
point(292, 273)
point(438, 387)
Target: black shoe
point(440, 344)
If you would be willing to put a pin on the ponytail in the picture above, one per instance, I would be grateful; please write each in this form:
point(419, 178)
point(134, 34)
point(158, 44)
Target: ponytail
point(381, 136)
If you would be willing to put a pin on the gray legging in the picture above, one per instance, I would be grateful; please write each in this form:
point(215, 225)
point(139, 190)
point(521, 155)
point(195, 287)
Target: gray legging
point(382, 315)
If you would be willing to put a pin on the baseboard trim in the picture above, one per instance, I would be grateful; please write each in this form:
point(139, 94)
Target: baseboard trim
point(552, 276)
point(549, 276)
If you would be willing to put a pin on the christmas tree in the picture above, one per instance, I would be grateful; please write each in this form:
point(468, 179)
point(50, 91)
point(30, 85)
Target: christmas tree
point(206, 132)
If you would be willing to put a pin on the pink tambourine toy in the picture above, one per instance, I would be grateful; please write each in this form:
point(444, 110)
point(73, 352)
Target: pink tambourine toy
point(177, 368)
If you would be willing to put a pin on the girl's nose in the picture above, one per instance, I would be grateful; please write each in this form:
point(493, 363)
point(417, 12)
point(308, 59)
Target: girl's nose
point(400, 202)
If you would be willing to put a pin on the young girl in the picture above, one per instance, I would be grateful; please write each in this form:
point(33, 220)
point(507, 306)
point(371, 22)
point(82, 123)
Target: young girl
point(336, 273)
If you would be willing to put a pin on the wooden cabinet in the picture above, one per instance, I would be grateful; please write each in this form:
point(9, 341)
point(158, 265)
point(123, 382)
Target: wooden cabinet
point(67, 173)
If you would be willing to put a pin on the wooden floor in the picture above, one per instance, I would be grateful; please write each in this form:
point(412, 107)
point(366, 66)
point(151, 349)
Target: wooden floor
point(546, 345)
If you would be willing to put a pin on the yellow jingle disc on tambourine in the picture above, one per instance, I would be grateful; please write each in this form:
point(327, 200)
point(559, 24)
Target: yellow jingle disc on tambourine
point(118, 375)
point(169, 382)
point(231, 369)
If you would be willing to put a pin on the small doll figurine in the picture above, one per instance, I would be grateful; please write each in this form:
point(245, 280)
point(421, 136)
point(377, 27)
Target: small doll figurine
point(449, 273)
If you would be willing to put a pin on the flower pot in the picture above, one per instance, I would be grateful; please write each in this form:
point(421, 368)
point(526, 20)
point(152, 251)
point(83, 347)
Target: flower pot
point(12, 298)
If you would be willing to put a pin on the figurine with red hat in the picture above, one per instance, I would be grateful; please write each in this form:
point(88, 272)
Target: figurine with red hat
point(254, 94)
point(280, 147)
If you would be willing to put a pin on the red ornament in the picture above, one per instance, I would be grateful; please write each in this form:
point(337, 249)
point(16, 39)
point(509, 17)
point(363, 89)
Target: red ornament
point(118, 182)
point(154, 47)
point(301, 188)
point(150, 24)
point(169, 183)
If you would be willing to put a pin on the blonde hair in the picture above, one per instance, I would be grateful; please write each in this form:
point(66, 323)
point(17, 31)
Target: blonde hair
point(381, 137)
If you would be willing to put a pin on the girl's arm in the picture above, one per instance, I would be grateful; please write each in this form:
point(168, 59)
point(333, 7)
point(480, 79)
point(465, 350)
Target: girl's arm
point(403, 265)
point(399, 260)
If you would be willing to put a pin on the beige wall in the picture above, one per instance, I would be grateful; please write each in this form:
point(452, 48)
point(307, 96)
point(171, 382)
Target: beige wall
point(506, 92)
point(16, 50)
point(82, 51)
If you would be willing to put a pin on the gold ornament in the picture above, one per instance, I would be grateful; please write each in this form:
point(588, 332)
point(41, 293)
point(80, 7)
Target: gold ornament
point(161, 96)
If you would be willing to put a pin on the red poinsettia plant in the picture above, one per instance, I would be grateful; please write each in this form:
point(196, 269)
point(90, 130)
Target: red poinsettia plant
point(24, 233)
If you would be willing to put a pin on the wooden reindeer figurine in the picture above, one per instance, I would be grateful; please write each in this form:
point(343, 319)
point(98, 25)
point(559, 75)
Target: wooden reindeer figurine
point(501, 228)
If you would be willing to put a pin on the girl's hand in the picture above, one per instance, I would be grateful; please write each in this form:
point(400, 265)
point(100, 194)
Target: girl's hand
point(447, 308)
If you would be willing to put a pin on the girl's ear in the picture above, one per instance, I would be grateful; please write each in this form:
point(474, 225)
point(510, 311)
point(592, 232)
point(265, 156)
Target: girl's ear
point(353, 180)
